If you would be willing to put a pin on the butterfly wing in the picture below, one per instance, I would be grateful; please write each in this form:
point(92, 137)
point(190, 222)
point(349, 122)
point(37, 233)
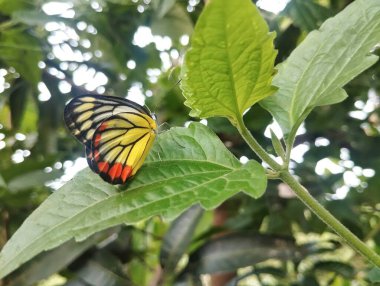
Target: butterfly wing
point(117, 134)
point(84, 113)
point(120, 145)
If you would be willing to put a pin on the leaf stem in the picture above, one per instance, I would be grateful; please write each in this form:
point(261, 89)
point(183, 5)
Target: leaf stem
point(255, 146)
point(304, 195)
point(329, 219)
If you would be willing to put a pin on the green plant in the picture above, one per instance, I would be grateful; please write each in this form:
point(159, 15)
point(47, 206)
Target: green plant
point(228, 69)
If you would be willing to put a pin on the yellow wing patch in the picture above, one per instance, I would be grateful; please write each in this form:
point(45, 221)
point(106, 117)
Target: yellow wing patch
point(116, 132)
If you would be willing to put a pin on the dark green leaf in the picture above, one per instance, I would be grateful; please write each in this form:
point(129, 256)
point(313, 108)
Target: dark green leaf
point(257, 271)
point(34, 17)
point(93, 273)
point(340, 268)
point(8, 7)
point(17, 103)
point(3, 184)
point(374, 275)
point(307, 14)
point(234, 251)
point(50, 262)
point(21, 51)
point(178, 237)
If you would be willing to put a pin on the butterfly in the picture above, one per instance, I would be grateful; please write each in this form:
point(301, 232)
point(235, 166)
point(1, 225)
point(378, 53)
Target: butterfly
point(117, 134)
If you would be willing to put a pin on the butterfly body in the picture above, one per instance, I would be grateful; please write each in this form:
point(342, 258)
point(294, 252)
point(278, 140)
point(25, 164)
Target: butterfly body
point(117, 134)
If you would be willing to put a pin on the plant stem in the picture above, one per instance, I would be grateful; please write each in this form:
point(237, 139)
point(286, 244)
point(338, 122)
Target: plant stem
point(7, 25)
point(255, 146)
point(329, 219)
point(305, 196)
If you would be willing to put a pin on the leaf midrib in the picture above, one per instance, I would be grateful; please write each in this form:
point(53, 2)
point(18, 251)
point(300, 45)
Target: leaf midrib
point(167, 197)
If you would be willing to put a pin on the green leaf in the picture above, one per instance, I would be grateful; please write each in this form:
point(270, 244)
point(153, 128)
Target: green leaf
point(186, 166)
point(162, 7)
point(8, 7)
point(174, 23)
point(233, 251)
point(21, 51)
point(230, 64)
point(18, 99)
point(50, 262)
point(178, 237)
point(338, 267)
point(307, 14)
point(3, 184)
point(32, 179)
point(257, 271)
point(374, 275)
point(35, 17)
point(94, 273)
point(316, 71)
point(277, 145)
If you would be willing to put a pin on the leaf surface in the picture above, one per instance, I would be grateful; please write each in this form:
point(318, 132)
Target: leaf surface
point(50, 262)
point(234, 251)
point(229, 66)
point(324, 62)
point(307, 15)
point(186, 166)
point(22, 51)
point(178, 237)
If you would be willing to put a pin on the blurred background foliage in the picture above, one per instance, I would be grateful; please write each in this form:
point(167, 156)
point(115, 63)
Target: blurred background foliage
point(51, 51)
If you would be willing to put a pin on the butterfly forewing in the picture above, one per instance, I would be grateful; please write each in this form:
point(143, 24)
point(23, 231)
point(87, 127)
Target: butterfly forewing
point(117, 134)
point(84, 113)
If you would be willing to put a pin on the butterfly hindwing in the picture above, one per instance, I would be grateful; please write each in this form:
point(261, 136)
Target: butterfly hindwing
point(117, 134)
point(120, 145)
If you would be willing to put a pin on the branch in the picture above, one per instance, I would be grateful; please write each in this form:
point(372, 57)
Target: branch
point(303, 194)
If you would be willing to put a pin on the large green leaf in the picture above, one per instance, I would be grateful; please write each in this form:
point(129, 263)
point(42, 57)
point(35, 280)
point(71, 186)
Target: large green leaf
point(316, 71)
point(186, 166)
point(230, 64)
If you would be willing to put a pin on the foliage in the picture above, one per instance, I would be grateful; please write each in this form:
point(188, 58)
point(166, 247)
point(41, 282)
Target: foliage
point(229, 66)
point(340, 57)
point(270, 238)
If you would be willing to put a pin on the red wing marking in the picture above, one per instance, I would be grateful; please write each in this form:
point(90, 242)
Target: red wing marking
point(96, 155)
point(126, 173)
point(98, 137)
point(103, 167)
point(115, 171)
point(102, 126)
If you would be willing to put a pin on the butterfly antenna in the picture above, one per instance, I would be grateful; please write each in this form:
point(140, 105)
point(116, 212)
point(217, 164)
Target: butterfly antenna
point(167, 126)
